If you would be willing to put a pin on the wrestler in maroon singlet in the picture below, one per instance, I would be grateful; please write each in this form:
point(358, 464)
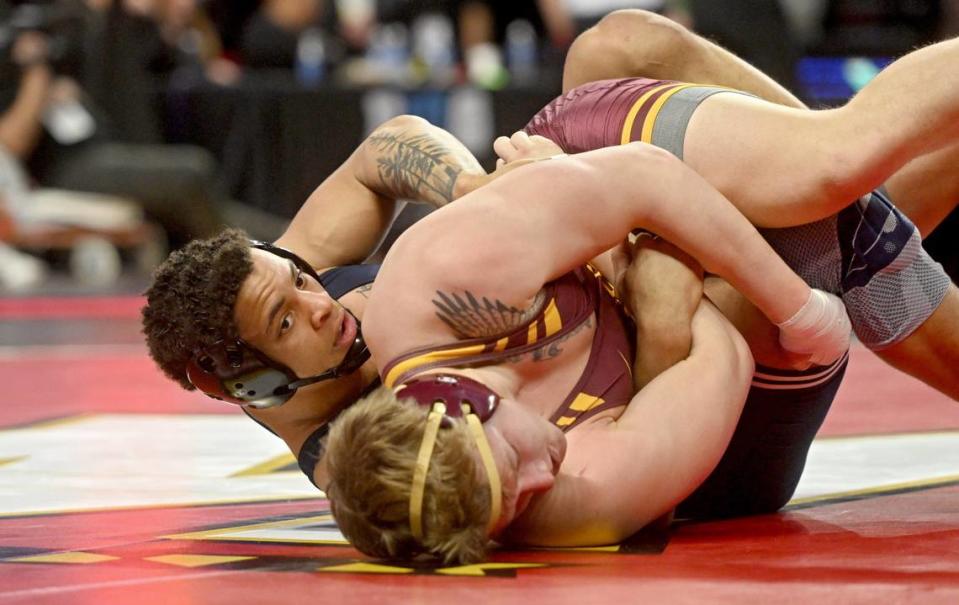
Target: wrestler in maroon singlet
point(605, 383)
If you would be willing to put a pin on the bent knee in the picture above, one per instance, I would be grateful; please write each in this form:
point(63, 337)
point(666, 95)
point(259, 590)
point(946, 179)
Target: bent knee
point(627, 43)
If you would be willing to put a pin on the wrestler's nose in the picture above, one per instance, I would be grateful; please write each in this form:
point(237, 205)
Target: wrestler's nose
point(320, 308)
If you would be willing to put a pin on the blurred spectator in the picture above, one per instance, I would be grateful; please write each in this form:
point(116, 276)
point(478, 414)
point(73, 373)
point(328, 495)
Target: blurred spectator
point(486, 27)
point(806, 19)
point(756, 30)
point(356, 20)
point(950, 19)
point(19, 132)
point(885, 29)
point(102, 132)
point(583, 14)
point(495, 36)
point(229, 17)
point(199, 53)
point(271, 37)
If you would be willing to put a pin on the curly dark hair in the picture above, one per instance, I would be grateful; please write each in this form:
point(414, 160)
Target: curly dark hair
point(190, 304)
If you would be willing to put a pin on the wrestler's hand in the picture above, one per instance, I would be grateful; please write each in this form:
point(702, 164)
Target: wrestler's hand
point(30, 48)
point(662, 287)
point(518, 151)
point(821, 329)
point(468, 183)
point(524, 148)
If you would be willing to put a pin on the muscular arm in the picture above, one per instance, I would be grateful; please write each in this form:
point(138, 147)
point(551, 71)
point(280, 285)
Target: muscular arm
point(619, 476)
point(406, 158)
point(662, 288)
point(554, 230)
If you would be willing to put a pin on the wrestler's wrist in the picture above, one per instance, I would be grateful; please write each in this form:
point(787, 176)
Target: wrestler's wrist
point(467, 182)
point(820, 328)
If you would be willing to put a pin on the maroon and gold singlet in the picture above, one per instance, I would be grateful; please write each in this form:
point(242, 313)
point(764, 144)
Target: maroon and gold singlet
point(616, 112)
point(571, 300)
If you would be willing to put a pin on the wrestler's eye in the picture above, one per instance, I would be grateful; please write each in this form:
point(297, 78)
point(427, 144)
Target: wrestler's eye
point(299, 281)
point(286, 323)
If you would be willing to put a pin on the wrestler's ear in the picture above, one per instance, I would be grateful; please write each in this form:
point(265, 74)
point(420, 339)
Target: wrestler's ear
point(534, 476)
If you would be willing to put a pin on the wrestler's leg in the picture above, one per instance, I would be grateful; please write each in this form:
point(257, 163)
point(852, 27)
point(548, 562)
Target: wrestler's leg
point(628, 43)
point(761, 467)
point(632, 42)
point(931, 353)
point(927, 188)
point(784, 166)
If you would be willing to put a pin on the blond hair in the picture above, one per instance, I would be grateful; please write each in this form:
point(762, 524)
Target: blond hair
point(371, 455)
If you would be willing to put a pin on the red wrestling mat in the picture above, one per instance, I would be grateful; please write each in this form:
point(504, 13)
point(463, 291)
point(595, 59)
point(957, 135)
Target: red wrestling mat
point(59, 308)
point(895, 543)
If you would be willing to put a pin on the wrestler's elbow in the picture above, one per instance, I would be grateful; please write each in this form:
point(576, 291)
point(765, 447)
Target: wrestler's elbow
point(402, 122)
point(641, 176)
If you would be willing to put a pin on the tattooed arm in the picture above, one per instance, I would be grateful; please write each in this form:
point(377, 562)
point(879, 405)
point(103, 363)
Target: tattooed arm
point(406, 158)
point(417, 161)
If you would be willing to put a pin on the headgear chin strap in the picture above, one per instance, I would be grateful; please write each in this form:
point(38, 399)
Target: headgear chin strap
point(452, 397)
point(237, 373)
point(233, 371)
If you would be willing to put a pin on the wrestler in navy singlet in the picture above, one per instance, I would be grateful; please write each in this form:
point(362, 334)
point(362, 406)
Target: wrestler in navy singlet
point(337, 282)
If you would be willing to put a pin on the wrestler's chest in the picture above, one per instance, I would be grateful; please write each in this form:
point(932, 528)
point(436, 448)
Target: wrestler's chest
point(548, 374)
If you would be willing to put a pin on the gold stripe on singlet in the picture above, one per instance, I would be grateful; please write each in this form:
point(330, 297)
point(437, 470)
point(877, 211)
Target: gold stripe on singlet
point(552, 319)
point(585, 402)
point(631, 115)
point(582, 403)
point(532, 335)
point(650, 121)
point(420, 360)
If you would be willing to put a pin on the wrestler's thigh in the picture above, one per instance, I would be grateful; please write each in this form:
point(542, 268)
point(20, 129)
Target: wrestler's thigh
point(931, 353)
point(780, 166)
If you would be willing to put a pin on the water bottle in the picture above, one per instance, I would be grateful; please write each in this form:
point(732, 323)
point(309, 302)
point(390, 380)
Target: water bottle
point(521, 51)
point(310, 58)
point(433, 46)
point(388, 52)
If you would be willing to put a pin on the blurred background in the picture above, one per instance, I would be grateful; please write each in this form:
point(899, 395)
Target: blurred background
point(128, 127)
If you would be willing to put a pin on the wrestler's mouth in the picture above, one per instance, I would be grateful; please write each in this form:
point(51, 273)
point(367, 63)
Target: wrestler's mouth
point(347, 331)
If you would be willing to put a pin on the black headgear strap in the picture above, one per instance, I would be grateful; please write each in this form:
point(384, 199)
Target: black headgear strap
point(233, 371)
